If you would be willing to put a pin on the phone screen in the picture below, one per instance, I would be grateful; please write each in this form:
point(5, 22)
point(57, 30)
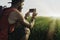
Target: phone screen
point(31, 10)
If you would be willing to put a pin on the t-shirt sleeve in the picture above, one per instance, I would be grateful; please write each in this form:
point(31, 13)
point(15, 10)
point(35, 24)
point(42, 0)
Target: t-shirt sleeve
point(12, 17)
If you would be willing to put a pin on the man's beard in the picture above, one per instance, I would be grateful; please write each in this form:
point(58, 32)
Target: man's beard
point(20, 8)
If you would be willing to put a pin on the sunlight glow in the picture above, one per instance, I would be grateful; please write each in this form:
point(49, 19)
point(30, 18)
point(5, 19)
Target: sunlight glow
point(55, 16)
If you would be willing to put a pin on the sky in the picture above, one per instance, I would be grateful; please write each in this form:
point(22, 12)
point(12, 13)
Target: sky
point(44, 7)
point(5, 2)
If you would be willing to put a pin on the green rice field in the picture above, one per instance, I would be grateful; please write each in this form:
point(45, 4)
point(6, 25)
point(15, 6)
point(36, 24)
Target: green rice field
point(46, 28)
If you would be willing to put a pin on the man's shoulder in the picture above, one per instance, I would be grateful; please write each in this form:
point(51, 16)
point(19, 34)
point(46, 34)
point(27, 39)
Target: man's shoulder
point(15, 10)
point(10, 9)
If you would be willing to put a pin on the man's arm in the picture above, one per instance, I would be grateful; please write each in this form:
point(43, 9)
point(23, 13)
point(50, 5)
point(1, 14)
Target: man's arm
point(32, 21)
point(27, 24)
point(27, 15)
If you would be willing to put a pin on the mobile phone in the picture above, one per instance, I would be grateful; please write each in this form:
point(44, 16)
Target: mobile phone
point(32, 10)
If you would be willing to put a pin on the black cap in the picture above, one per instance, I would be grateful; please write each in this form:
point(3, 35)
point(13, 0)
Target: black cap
point(16, 1)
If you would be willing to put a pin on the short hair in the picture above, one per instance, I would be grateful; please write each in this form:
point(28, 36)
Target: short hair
point(16, 1)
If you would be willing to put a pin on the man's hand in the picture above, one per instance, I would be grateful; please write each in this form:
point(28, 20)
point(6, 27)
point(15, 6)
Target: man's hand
point(27, 15)
point(34, 14)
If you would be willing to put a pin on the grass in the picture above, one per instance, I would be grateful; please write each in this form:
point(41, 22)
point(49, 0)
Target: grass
point(40, 29)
